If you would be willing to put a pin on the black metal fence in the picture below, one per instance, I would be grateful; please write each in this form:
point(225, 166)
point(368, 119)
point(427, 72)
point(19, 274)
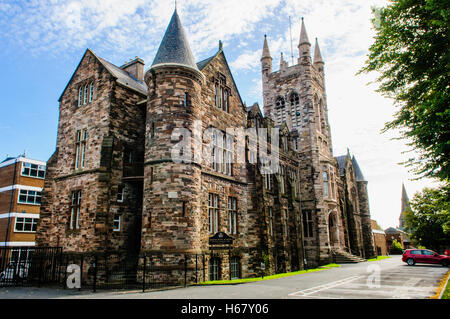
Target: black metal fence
point(32, 266)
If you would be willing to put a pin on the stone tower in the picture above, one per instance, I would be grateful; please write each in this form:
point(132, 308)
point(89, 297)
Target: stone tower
point(296, 95)
point(171, 189)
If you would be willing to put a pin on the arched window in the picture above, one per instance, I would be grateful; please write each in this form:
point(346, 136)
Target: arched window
point(280, 111)
point(91, 92)
point(295, 110)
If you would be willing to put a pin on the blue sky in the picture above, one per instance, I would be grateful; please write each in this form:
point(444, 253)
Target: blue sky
point(42, 42)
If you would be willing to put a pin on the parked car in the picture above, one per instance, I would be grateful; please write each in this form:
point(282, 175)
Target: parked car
point(447, 252)
point(424, 256)
point(14, 270)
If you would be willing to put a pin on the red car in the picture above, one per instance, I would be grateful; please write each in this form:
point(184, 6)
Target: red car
point(424, 256)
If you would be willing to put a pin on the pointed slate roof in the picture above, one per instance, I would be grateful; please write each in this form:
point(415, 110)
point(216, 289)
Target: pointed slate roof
point(303, 35)
point(342, 161)
point(358, 174)
point(317, 53)
point(174, 48)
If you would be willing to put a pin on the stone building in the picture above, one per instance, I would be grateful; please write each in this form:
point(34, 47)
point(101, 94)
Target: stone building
point(146, 162)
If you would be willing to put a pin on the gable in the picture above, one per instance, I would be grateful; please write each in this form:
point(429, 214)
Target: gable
point(220, 63)
point(88, 57)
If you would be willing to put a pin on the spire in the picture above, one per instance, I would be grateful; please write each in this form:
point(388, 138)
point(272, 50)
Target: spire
point(358, 174)
point(266, 52)
point(303, 35)
point(317, 54)
point(174, 48)
point(405, 199)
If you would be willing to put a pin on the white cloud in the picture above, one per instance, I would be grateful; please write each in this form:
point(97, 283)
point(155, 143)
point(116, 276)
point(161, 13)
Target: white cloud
point(135, 27)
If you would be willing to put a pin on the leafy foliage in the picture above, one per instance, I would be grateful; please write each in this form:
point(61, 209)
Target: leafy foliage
point(396, 248)
point(429, 220)
point(411, 54)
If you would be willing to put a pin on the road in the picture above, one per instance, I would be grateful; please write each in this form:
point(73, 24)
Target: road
point(384, 279)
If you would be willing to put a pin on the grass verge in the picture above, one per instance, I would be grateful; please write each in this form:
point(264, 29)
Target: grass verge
point(379, 258)
point(246, 280)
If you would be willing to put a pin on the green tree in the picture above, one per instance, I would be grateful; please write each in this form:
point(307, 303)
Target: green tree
point(396, 248)
point(411, 54)
point(428, 222)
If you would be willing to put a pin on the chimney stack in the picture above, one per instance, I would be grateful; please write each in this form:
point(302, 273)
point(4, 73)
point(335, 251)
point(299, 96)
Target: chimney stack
point(135, 68)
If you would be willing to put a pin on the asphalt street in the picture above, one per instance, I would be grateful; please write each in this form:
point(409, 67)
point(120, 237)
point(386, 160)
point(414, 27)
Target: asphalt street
point(384, 279)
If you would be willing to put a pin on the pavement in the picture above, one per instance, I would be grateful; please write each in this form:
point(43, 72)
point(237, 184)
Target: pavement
point(384, 279)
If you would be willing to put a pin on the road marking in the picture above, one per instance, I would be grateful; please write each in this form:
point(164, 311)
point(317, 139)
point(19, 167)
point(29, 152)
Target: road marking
point(330, 285)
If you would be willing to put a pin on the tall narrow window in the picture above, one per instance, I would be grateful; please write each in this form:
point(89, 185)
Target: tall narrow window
point(85, 94)
point(325, 182)
point(75, 210)
point(117, 222)
point(216, 96)
point(80, 148)
point(225, 100)
point(268, 181)
point(213, 213)
point(187, 99)
point(214, 269)
point(221, 93)
point(232, 215)
point(271, 221)
point(280, 111)
point(222, 152)
point(120, 194)
point(91, 92)
point(80, 96)
point(295, 110)
point(285, 222)
point(307, 224)
point(235, 264)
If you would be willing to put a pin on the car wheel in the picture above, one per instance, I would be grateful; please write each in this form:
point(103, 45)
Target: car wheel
point(410, 262)
point(444, 263)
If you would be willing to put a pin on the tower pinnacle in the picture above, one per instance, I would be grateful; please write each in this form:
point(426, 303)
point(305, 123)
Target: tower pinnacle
point(266, 51)
point(317, 53)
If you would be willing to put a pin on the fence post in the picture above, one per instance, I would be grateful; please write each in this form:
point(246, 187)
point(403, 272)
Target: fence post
point(203, 255)
point(185, 271)
point(40, 271)
point(81, 271)
point(95, 273)
point(143, 273)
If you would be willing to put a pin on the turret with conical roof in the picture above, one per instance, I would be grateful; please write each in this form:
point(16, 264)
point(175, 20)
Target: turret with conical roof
point(174, 50)
point(174, 105)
